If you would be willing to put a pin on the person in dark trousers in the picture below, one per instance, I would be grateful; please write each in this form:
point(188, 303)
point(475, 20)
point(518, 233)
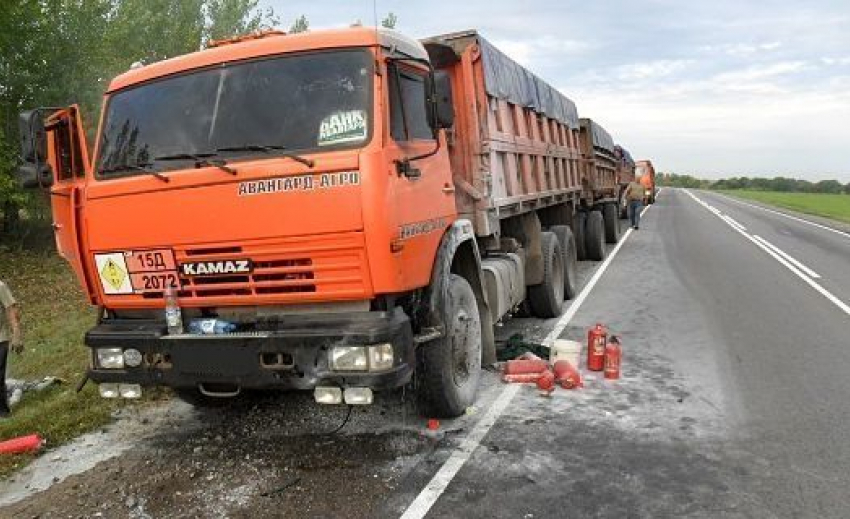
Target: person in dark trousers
point(634, 197)
point(10, 336)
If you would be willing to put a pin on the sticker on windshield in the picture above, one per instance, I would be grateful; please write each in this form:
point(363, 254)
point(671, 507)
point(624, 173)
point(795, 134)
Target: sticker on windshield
point(342, 127)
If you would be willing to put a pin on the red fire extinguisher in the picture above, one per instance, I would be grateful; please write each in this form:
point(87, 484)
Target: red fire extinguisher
point(597, 337)
point(613, 355)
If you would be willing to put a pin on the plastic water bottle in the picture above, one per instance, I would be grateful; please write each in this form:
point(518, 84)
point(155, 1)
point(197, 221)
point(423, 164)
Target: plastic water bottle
point(173, 315)
point(211, 326)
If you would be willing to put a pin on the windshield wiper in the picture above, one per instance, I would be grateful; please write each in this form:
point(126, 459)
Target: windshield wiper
point(202, 160)
point(144, 168)
point(279, 150)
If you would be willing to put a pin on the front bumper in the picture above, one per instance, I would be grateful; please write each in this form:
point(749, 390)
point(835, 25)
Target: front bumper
point(237, 360)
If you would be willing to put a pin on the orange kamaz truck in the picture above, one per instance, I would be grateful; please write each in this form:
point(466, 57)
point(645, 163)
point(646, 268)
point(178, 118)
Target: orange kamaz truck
point(341, 211)
point(646, 173)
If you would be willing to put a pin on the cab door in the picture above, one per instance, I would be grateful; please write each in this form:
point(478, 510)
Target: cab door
point(68, 156)
point(423, 191)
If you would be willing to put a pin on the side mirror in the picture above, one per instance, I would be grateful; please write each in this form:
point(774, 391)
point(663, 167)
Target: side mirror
point(33, 140)
point(35, 171)
point(440, 106)
point(34, 176)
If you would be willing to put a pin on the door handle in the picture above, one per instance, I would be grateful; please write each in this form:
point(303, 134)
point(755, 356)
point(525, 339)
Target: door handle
point(448, 189)
point(57, 226)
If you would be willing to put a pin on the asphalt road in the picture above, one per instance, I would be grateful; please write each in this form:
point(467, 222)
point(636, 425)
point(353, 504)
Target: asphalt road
point(734, 401)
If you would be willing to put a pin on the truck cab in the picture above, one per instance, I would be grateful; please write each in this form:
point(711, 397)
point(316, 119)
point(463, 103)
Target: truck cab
point(296, 187)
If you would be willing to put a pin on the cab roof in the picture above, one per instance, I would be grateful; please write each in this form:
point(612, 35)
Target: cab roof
point(271, 44)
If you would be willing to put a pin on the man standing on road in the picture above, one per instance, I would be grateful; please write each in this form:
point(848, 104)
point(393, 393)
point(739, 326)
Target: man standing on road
point(634, 197)
point(10, 335)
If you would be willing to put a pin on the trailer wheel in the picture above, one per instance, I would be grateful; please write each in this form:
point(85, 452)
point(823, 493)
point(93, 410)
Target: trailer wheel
point(595, 236)
point(612, 223)
point(568, 253)
point(579, 228)
point(448, 368)
point(547, 298)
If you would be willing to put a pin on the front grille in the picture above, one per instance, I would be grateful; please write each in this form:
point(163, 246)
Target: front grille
point(332, 266)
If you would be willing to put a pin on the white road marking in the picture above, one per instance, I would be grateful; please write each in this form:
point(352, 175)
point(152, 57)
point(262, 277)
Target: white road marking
point(786, 215)
point(438, 484)
point(811, 282)
point(809, 272)
point(731, 221)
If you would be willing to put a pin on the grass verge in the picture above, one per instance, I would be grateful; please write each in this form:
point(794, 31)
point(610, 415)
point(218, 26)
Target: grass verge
point(836, 207)
point(55, 317)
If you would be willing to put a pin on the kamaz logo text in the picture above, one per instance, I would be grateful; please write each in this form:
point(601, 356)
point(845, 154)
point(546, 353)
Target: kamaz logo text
point(216, 268)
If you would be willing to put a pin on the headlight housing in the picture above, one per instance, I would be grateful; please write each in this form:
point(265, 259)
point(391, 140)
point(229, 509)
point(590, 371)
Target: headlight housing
point(110, 358)
point(349, 358)
point(378, 357)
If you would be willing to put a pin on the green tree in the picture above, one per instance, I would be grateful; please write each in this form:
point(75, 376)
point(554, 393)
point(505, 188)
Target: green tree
point(299, 25)
point(229, 18)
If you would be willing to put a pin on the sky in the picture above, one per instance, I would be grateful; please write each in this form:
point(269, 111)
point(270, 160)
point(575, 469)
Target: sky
point(710, 88)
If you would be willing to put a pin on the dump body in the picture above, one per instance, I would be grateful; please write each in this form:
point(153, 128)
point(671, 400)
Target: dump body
point(625, 166)
point(515, 145)
point(599, 161)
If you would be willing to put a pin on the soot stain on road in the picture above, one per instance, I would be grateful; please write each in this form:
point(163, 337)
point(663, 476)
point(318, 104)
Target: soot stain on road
point(272, 457)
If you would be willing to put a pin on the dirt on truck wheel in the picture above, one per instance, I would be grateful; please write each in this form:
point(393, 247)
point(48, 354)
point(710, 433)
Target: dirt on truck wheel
point(595, 236)
point(547, 298)
point(579, 230)
point(570, 260)
point(448, 368)
point(612, 223)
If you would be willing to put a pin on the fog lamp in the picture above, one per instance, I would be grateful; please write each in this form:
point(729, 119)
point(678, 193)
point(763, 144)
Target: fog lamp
point(107, 390)
point(358, 396)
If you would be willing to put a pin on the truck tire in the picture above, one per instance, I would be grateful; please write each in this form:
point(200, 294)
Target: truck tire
point(448, 368)
point(570, 261)
point(579, 227)
point(612, 223)
point(594, 239)
point(547, 298)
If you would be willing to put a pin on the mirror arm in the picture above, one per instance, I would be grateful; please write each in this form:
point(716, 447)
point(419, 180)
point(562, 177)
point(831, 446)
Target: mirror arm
point(402, 166)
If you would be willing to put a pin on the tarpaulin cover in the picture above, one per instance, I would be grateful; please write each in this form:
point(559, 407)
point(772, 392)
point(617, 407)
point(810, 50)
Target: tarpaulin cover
point(601, 138)
point(506, 79)
point(625, 156)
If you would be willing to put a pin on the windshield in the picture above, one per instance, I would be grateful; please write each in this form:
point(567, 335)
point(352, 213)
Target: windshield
point(299, 102)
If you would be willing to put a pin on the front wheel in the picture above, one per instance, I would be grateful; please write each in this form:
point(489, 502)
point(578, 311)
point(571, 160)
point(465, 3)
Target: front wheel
point(448, 369)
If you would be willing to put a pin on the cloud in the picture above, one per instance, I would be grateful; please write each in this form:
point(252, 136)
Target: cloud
point(713, 88)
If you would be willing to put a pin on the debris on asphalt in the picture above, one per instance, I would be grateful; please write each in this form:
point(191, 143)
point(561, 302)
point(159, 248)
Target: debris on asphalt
point(516, 346)
point(16, 388)
point(281, 488)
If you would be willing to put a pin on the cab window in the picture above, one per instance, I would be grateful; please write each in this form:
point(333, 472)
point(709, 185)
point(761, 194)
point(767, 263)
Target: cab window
point(409, 119)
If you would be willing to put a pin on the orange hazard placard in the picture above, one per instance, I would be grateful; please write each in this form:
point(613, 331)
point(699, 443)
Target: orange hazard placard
point(150, 261)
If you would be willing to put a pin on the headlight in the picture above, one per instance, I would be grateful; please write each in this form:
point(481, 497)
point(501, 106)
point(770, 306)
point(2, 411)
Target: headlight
point(349, 358)
point(110, 358)
point(380, 357)
point(362, 358)
point(132, 357)
point(108, 390)
point(648, 192)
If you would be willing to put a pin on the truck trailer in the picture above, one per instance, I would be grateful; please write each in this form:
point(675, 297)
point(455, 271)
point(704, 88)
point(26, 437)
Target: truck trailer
point(342, 211)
